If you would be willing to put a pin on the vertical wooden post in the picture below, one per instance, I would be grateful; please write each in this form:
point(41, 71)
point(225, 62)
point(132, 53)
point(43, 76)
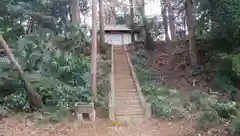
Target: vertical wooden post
point(101, 18)
point(94, 49)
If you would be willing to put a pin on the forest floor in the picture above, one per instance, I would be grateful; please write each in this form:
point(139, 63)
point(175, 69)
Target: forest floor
point(170, 62)
point(15, 126)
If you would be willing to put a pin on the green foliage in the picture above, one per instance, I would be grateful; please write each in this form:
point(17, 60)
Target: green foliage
point(17, 101)
point(75, 39)
point(203, 101)
point(226, 110)
point(236, 64)
point(219, 23)
point(213, 110)
point(53, 54)
point(236, 126)
point(165, 102)
point(208, 119)
point(60, 77)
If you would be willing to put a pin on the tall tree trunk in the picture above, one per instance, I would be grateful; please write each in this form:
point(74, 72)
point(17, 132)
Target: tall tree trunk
point(191, 32)
point(94, 49)
point(101, 20)
point(113, 12)
point(165, 20)
point(171, 22)
point(132, 21)
point(148, 41)
point(34, 98)
point(75, 11)
point(107, 16)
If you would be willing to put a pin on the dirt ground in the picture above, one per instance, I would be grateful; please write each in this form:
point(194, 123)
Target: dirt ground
point(171, 64)
point(20, 126)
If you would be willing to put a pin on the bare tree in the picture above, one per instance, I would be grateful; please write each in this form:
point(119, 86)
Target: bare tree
point(191, 32)
point(34, 99)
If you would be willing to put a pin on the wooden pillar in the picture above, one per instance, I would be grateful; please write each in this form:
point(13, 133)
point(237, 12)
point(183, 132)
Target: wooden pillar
point(94, 49)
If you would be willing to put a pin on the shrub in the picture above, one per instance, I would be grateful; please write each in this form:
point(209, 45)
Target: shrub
point(17, 101)
point(60, 77)
point(208, 119)
point(236, 126)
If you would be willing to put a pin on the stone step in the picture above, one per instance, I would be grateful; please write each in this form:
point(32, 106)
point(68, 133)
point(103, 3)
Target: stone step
point(119, 86)
point(127, 102)
point(119, 83)
point(123, 71)
point(127, 78)
point(124, 80)
point(130, 119)
point(123, 74)
point(119, 48)
point(119, 76)
point(129, 113)
point(119, 53)
point(136, 106)
point(126, 97)
point(126, 70)
point(125, 87)
point(126, 91)
point(126, 94)
point(129, 109)
point(121, 64)
point(121, 56)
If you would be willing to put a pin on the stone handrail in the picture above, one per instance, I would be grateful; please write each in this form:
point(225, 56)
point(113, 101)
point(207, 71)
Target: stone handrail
point(145, 105)
point(111, 103)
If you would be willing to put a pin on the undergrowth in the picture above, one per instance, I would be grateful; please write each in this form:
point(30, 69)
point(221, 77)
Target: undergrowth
point(60, 73)
point(164, 101)
point(208, 110)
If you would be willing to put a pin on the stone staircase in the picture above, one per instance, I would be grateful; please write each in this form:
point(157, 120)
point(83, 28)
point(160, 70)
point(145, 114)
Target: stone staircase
point(127, 102)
